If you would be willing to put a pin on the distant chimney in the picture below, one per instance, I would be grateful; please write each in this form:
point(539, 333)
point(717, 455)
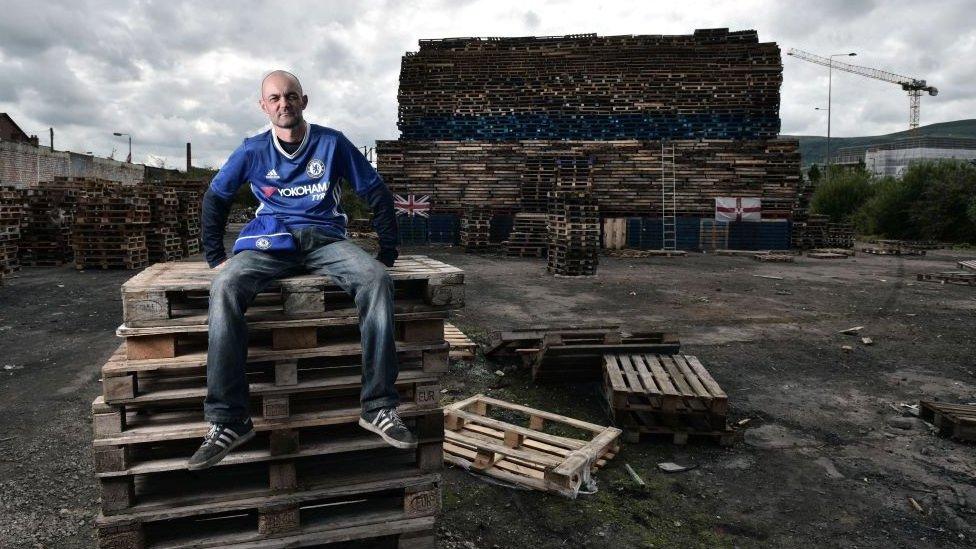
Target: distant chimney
point(188, 158)
point(52, 138)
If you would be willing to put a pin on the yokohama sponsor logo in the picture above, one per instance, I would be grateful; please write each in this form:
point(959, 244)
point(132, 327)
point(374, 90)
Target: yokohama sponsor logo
point(305, 189)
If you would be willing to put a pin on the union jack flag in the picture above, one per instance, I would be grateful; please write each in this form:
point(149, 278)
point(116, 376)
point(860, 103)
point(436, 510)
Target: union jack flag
point(412, 206)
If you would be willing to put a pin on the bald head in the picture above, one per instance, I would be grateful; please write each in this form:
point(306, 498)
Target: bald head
point(283, 100)
point(277, 76)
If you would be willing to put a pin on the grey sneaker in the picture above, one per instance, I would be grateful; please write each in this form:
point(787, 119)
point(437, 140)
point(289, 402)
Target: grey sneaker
point(220, 440)
point(386, 423)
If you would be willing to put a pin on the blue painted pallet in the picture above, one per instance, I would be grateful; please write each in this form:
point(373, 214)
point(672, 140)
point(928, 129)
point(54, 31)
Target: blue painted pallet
point(591, 127)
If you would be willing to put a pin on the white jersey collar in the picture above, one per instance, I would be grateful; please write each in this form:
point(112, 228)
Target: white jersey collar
point(301, 147)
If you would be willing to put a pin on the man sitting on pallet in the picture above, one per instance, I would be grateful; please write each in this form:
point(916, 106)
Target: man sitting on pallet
point(294, 170)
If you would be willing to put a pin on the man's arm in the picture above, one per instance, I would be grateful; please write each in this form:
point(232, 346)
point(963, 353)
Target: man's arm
point(216, 205)
point(214, 218)
point(368, 184)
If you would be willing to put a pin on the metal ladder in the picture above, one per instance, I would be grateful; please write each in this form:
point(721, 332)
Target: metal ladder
point(669, 209)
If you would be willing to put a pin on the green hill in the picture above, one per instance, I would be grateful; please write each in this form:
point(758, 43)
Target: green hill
point(813, 148)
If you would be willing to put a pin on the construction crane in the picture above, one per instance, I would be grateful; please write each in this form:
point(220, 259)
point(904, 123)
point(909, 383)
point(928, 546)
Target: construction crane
point(913, 86)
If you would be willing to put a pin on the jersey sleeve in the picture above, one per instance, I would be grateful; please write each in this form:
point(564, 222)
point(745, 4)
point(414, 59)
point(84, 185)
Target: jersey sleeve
point(349, 163)
point(232, 174)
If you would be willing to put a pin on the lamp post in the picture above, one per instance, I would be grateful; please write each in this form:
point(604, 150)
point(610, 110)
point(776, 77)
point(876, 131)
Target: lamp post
point(830, 78)
point(119, 134)
point(823, 109)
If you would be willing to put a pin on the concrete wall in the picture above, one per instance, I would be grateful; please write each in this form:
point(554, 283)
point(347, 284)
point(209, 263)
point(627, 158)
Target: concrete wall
point(27, 164)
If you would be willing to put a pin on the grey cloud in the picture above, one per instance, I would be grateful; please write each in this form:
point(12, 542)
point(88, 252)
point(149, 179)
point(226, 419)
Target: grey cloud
point(93, 67)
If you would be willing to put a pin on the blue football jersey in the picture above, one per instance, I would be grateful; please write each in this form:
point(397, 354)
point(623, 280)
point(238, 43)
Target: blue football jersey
point(302, 188)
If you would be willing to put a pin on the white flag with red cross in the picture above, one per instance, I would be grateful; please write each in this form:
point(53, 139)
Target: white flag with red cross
point(738, 209)
point(412, 206)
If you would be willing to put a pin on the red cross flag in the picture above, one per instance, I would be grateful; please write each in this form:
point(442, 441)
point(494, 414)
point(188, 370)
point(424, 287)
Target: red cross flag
point(412, 206)
point(738, 209)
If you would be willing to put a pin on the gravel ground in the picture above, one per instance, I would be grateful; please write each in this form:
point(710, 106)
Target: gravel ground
point(827, 460)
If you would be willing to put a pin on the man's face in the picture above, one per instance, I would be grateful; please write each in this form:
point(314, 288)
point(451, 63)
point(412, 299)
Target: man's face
point(283, 101)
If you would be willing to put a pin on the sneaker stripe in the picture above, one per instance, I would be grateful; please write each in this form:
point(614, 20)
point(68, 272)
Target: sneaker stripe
point(226, 438)
point(220, 443)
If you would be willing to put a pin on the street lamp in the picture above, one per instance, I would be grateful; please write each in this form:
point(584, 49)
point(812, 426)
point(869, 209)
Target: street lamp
point(118, 134)
point(830, 78)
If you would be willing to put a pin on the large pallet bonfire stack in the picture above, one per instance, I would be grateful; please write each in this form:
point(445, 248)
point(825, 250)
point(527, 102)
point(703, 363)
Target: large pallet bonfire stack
point(482, 120)
point(11, 218)
point(48, 219)
point(109, 230)
point(714, 84)
point(311, 476)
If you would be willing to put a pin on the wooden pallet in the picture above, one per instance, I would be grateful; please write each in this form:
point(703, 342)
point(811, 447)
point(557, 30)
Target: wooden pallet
point(774, 258)
point(953, 420)
point(966, 278)
point(664, 384)
point(844, 251)
point(507, 342)
point(526, 454)
point(638, 425)
point(147, 475)
point(827, 255)
point(579, 357)
point(645, 253)
point(170, 293)
point(970, 264)
point(328, 506)
point(180, 339)
point(125, 377)
point(893, 251)
point(751, 253)
point(462, 348)
point(272, 382)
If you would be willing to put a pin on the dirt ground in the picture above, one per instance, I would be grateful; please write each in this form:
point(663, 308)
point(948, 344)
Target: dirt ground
point(827, 460)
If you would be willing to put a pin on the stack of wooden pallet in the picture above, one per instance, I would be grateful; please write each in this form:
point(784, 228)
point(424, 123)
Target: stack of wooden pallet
point(46, 231)
point(11, 219)
point(163, 235)
point(109, 230)
point(574, 220)
point(311, 476)
point(714, 84)
point(575, 353)
point(665, 394)
point(626, 174)
point(529, 235)
point(190, 194)
point(526, 453)
point(476, 230)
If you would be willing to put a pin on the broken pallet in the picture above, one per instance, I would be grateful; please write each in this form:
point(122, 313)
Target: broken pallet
point(525, 455)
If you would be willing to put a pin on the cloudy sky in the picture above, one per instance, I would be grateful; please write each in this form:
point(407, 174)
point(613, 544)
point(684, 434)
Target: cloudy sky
point(170, 72)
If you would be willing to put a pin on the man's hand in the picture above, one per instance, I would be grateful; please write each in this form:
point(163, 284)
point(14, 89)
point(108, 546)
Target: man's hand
point(220, 265)
point(387, 256)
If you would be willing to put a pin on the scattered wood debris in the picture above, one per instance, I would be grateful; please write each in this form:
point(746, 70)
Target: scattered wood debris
point(525, 455)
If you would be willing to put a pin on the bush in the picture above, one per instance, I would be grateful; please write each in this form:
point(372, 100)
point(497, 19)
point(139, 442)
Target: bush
point(888, 211)
point(945, 191)
point(842, 194)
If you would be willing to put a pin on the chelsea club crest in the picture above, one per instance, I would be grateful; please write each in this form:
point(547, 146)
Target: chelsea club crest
point(315, 168)
point(262, 243)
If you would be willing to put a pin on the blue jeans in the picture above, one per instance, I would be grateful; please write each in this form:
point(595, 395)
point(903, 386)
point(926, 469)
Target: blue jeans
point(247, 273)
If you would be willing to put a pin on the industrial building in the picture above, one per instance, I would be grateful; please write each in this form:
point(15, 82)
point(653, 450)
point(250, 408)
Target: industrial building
point(892, 159)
